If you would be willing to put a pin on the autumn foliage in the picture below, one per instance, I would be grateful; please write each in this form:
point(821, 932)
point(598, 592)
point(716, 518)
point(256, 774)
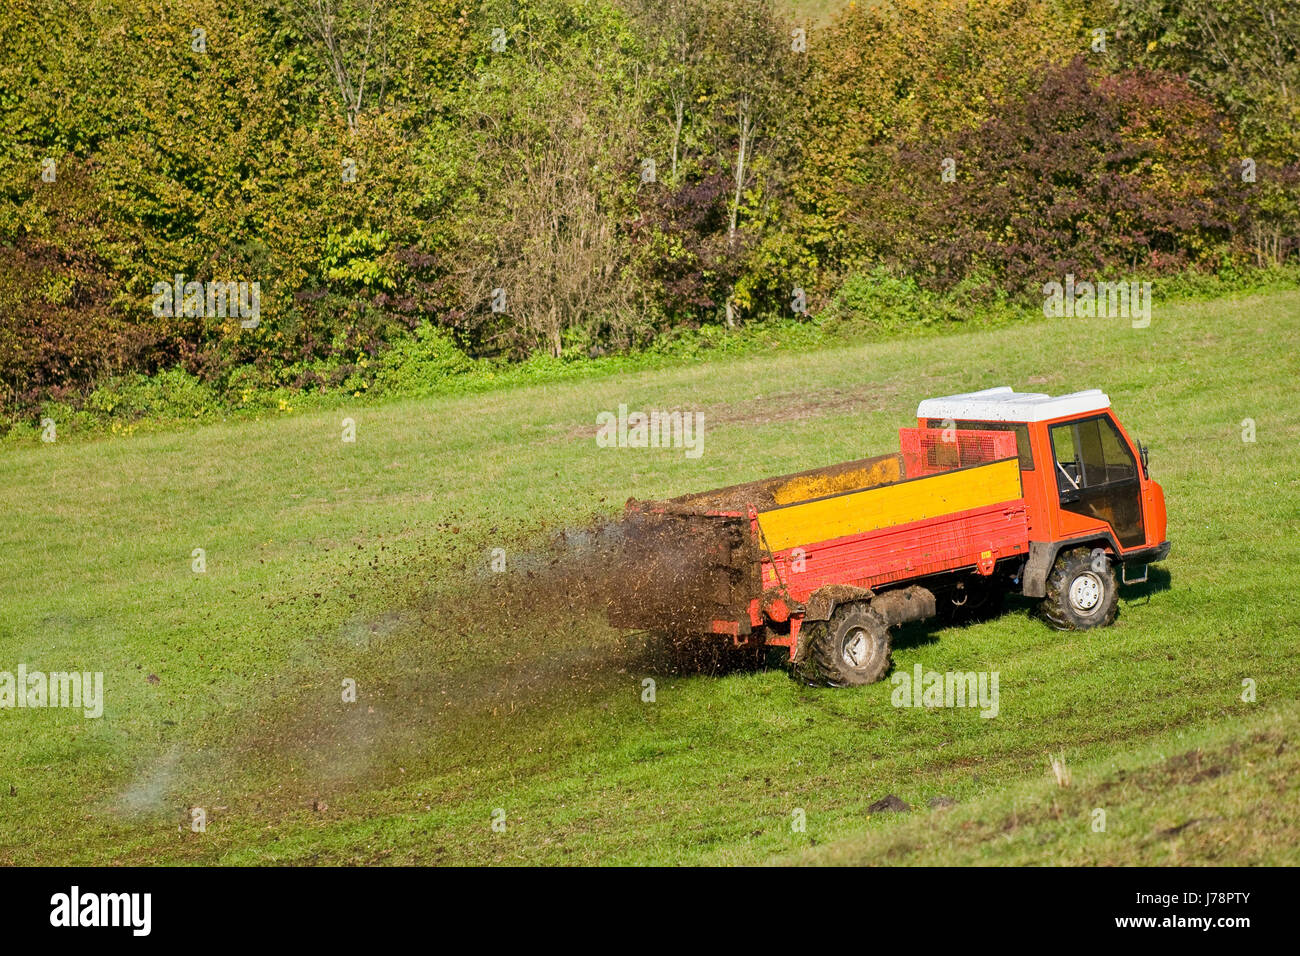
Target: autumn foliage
point(575, 176)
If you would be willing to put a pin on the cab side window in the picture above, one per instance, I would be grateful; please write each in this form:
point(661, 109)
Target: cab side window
point(1119, 463)
point(1089, 454)
point(1069, 475)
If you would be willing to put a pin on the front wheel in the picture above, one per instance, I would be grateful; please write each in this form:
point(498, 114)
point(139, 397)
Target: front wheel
point(1081, 592)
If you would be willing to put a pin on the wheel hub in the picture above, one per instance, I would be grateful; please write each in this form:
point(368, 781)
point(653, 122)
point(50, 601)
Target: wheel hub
point(857, 647)
point(1085, 592)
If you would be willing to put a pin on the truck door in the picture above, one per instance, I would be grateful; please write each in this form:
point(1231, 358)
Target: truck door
point(1097, 476)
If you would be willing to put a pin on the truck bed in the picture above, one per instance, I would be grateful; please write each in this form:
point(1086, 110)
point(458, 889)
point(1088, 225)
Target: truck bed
point(907, 529)
point(864, 523)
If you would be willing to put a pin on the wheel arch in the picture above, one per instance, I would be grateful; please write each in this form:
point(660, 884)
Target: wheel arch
point(1043, 555)
point(823, 602)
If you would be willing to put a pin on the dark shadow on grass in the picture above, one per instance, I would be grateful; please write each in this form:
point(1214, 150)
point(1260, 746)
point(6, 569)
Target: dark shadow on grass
point(1158, 579)
point(1022, 606)
point(918, 633)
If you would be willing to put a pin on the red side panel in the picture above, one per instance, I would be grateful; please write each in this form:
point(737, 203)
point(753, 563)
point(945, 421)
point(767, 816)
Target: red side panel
point(945, 543)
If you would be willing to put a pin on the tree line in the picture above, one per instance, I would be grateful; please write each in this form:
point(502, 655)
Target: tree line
point(581, 176)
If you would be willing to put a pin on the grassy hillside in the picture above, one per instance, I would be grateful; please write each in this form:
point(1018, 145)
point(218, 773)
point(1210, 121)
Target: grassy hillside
point(329, 561)
point(1224, 795)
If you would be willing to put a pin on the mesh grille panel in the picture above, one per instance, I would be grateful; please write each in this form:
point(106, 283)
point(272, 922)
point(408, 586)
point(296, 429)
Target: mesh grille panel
point(927, 451)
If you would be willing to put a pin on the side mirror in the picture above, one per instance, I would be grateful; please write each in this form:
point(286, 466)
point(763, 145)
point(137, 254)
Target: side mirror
point(1142, 450)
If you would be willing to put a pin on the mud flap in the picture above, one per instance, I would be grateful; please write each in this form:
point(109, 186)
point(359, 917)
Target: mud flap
point(1042, 555)
point(800, 632)
point(824, 600)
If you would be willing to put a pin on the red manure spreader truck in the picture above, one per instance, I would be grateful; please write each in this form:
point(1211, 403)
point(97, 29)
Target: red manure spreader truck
point(993, 492)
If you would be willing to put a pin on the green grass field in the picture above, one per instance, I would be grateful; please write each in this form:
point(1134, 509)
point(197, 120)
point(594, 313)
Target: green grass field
point(329, 561)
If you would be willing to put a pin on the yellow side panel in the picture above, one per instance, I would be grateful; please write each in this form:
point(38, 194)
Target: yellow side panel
point(804, 487)
point(874, 508)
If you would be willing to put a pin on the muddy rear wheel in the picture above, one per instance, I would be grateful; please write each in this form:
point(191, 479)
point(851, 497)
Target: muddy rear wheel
point(851, 649)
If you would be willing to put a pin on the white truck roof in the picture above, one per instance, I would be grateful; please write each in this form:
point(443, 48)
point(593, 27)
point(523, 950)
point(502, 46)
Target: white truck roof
point(1004, 405)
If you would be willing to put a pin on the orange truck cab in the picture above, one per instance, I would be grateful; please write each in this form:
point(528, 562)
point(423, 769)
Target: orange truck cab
point(1085, 482)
